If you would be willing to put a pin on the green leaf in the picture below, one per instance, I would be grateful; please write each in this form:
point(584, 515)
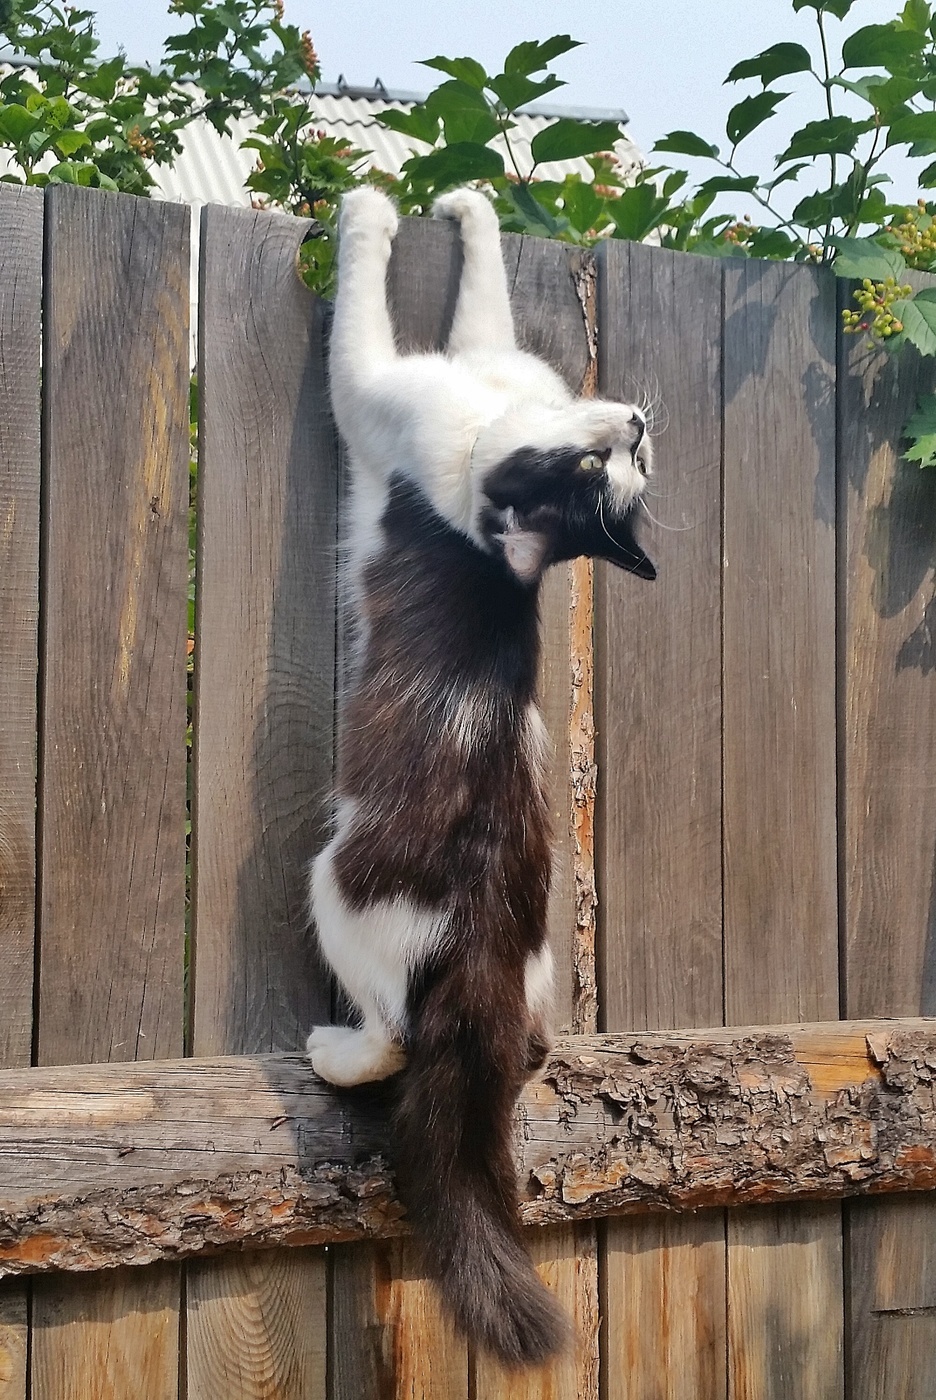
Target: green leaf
point(686, 143)
point(516, 90)
point(791, 172)
point(637, 212)
point(880, 46)
point(748, 115)
point(719, 183)
point(921, 432)
point(915, 15)
point(465, 113)
point(68, 142)
point(919, 323)
point(774, 62)
point(918, 130)
point(771, 243)
point(532, 56)
point(466, 70)
point(863, 257)
point(566, 138)
point(674, 181)
point(927, 178)
point(813, 211)
point(581, 205)
point(16, 124)
point(418, 122)
point(454, 164)
point(839, 8)
point(833, 136)
point(534, 218)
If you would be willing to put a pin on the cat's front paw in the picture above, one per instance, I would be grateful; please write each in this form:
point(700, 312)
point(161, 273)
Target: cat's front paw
point(369, 212)
point(464, 205)
point(346, 1056)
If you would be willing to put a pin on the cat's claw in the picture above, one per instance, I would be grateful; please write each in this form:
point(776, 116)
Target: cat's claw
point(345, 1056)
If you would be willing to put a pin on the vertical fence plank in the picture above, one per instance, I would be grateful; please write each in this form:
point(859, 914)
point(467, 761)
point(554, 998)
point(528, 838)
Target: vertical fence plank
point(781, 934)
point(552, 293)
point(388, 1334)
point(658, 712)
point(888, 659)
point(112, 764)
point(20, 294)
point(265, 667)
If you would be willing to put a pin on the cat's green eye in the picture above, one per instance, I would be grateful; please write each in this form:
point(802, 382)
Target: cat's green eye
point(591, 462)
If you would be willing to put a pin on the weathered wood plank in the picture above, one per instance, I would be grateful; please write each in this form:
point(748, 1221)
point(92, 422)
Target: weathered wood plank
point(20, 294)
point(887, 511)
point(20, 339)
point(112, 791)
point(265, 676)
point(782, 1275)
point(553, 295)
point(145, 1161)
point(658, 663)
point(272, 1337)
point(388, 1336)
point(780, 872)
point(13, 1340)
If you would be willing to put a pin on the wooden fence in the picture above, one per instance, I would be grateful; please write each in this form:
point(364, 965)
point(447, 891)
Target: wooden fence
point(745, 771)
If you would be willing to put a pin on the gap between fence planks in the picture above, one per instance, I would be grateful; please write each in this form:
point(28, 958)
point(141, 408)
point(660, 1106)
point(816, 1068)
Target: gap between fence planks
point(155, 1161)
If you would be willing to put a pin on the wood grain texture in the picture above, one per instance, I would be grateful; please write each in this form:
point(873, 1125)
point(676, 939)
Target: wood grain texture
point(566, 1260)
point(112, 788)
point(784, 1292)
point(265, 675)
point(109, 1337)
point(13, 1340)
point(887, 510)
point(112, 794)
point(272, 1339)
point(779, 799)
point(405, 1346)
point(20, 338)
point(20, 299)
point(109, 1165)
point(663, 1329)
point(658, 707)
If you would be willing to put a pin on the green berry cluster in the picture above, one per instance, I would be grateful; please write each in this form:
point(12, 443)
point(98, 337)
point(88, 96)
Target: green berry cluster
point(875, 300)
point(916, 236)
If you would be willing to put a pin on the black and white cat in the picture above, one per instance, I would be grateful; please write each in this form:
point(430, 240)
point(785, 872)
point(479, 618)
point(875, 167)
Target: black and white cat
point(471, 473)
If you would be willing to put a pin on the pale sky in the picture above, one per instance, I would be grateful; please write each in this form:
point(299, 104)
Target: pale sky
point(662, 61)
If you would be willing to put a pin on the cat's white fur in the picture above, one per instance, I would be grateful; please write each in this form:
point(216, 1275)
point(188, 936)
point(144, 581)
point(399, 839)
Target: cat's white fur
point(444, 420)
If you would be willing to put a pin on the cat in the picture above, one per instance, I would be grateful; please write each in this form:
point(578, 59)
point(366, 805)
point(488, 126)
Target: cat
point(470, 473)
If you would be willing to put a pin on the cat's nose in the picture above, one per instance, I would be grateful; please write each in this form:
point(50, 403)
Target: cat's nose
point(640, 428)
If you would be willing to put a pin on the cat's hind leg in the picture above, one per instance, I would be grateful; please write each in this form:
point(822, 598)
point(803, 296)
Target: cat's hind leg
point(372, 976)
point(362, 338)
point(483, 319)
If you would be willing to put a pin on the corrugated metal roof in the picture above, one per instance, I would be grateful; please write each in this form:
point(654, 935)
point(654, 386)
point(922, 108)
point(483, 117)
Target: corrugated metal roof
point(211, 169)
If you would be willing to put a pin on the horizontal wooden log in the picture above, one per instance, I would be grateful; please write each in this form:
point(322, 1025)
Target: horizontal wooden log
point(106, 1165)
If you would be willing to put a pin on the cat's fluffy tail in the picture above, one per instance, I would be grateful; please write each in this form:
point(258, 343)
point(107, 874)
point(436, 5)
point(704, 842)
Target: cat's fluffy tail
point(467, 1057)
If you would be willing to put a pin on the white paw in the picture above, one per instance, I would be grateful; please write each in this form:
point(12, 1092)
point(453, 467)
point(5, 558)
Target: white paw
point(368, 211)
point(346, 1056)
point(464, 204)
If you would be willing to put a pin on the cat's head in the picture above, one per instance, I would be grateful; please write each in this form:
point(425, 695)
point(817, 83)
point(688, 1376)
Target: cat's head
point(565, 483)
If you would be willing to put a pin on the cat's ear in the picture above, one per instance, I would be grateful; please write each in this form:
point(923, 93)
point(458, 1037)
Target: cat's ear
point(526, 553)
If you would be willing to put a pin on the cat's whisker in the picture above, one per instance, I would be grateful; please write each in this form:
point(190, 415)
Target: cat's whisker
point(678, 529)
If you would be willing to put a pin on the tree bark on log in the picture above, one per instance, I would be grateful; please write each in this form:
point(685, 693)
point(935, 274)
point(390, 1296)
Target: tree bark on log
point(109, 1165)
